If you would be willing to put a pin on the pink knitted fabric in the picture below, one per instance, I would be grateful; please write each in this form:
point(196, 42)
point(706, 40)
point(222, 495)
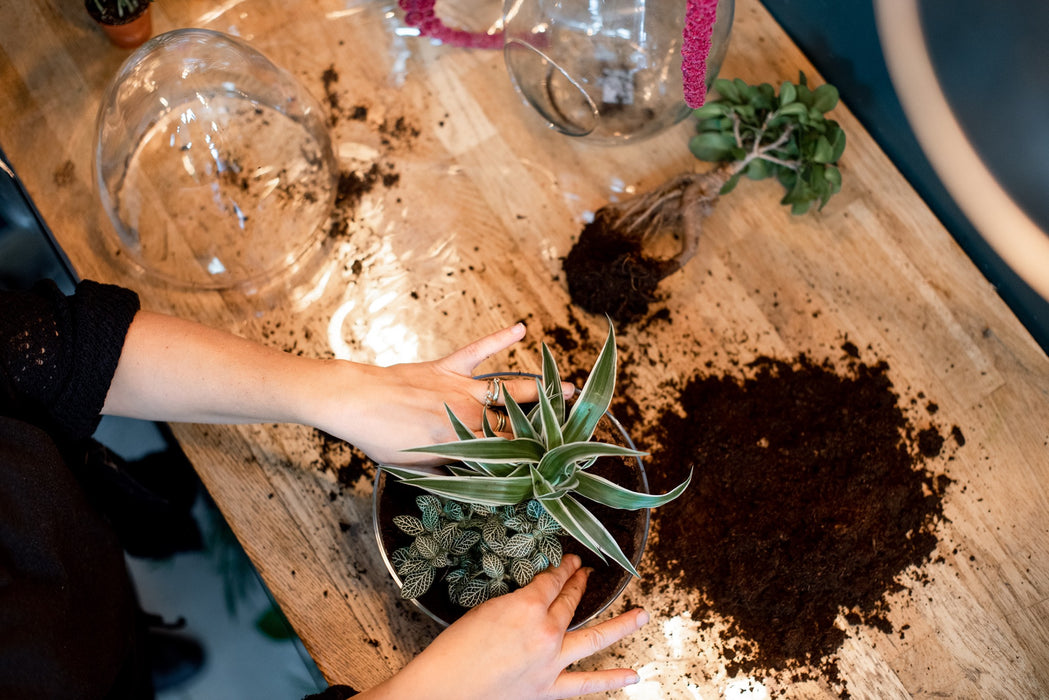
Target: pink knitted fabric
point(420, 14)
point(700, 16)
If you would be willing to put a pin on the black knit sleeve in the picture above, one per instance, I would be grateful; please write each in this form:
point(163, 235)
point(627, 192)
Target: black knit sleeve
point(58, 354)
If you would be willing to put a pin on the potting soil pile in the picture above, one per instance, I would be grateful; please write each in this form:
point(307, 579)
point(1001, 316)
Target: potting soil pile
point(810, 499)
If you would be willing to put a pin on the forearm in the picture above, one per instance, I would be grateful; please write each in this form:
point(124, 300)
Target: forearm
point(176, 370)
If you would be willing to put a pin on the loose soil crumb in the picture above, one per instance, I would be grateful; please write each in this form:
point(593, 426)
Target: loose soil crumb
point(810, 498)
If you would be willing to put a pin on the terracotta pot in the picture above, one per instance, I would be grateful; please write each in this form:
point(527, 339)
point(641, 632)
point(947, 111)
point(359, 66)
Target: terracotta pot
point(629, 528)
point(131, 34)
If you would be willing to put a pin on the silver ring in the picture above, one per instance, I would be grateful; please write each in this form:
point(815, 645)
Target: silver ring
point(491, 395)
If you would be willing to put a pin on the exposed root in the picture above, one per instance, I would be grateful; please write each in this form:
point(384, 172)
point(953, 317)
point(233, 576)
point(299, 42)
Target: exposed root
point(609, 271)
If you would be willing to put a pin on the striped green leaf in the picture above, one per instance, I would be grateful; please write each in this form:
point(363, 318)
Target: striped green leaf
point(560, 462)
point(522, 427)
point(552, 382)
point(489, 450)
point(504, 491)
point(603, 491)
point(585, 527)
point(596, 395)
point(551, 430)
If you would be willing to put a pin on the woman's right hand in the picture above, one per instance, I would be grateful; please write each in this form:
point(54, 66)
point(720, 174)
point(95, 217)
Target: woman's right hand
point(516, 647)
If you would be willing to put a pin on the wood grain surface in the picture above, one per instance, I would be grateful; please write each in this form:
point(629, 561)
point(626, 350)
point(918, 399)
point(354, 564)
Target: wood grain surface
point(469, 236)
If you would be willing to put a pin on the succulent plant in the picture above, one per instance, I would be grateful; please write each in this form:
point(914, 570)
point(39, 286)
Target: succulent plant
point(545, 461)
point(486, 549)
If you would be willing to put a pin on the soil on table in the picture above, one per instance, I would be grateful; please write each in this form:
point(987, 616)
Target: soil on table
point(811, 499)
point(608, 272)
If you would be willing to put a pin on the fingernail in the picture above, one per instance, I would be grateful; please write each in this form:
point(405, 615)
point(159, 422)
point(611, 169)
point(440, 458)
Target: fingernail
point(634, 680)
point(642, 618)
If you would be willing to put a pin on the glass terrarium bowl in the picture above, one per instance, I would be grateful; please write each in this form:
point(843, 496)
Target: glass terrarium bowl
point(214, 166)
point(608, 71)
point(391, 497)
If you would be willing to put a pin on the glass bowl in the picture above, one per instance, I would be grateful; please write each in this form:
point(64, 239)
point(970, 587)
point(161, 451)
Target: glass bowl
point(608, 71)
point(214, 166)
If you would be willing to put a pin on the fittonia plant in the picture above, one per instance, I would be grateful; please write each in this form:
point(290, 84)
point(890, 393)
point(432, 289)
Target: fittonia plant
point(493, 520)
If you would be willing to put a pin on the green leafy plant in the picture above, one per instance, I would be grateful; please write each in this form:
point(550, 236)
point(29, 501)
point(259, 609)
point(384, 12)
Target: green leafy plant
point(486, 549)
point(786, 136)
point(545, 463)
point(751, 131)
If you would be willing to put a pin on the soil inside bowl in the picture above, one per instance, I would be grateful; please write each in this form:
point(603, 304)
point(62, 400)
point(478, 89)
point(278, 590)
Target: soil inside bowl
point(629, 528)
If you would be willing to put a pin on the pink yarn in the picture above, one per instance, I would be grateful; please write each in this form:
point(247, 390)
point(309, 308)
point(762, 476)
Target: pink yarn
point(700, 16)
point(420, 14)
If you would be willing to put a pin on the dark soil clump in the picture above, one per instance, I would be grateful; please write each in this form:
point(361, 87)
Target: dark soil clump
point(608, 273)
point(810, 498)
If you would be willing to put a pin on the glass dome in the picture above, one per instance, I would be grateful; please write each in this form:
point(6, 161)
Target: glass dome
point(608, 71)
point(214, 165)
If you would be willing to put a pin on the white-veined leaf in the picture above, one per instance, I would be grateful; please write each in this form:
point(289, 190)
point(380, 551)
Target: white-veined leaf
point(409, 524)
point(520, 545)
point(492, 565)
point(417, 584)
point(522, 571)
point(473, 593)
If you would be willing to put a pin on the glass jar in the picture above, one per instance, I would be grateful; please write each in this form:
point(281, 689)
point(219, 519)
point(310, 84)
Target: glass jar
point(606, 70)
point(214, 165)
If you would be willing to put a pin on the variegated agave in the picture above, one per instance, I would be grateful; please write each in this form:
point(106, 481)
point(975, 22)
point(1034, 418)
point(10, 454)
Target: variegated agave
point(486, 549)
point(546, 460)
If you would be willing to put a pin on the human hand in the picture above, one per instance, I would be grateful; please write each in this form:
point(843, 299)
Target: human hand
point(516, 647)
point(384, 410)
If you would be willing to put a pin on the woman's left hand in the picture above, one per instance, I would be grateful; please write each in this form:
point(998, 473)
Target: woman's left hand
point(384, 410)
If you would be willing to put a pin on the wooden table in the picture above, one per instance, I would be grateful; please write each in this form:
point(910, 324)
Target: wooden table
point(470, 238)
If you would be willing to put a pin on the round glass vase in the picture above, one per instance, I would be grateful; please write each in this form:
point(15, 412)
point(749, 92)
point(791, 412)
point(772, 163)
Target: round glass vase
point(608, 71)
point(391, 497)
point(214, 165)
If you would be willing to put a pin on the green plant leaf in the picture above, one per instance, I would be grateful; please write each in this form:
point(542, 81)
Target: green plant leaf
point(474, 593)
point(711, 110)
point(409, 525)
point(581, 524)
point(596, 394)
point(552, 383)
point(825, 98)
point(712, 146)
point(416, 584)
point(727, 89)
point(787, 93)
point(519, 422)
point(551, 426)
point(599, 489)
point(522, 571)
point(476, 489)
point(792, 110)
point(557, 464)
point(491, 450)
